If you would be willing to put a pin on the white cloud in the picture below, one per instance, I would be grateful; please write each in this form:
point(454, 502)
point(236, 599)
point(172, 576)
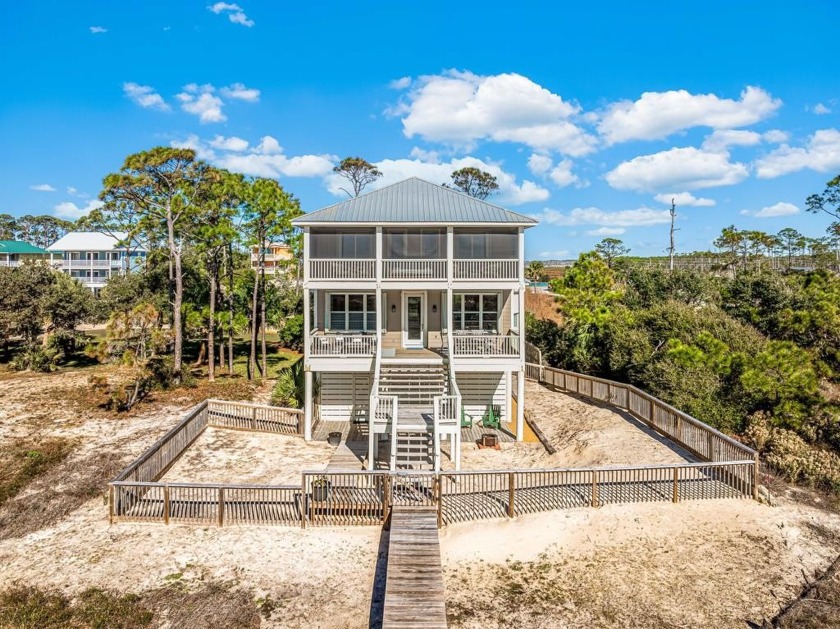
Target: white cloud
point(201, 101)
point(461, 108)
point(232, 143)
point(656, 115)
point(42, 187)
point(641, 217)
point(778, 209)
point(266, 159)
point(821, 153)
point(678, 168)
point(424, 155)
point(145, 96)
point(540, 164)
point(561, 174)
point(393, 170)
point(722, 139)
point(238, 91)
point(683, 199)
point(70, 210)
point(234, 12)
point(98, 29)
point(607, 231)
point(401, 83)
point(821, 109)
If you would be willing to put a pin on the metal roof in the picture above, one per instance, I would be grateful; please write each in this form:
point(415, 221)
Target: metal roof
point(18, 246)
point(414, 201)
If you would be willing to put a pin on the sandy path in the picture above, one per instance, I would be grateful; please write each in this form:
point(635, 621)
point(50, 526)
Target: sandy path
point(234, 456)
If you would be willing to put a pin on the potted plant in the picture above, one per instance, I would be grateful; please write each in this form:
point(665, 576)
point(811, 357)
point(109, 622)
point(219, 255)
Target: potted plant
point(320, 489)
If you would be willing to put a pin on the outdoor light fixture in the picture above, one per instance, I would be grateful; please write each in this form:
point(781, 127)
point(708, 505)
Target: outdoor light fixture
point(393, 307)
point(434, 307)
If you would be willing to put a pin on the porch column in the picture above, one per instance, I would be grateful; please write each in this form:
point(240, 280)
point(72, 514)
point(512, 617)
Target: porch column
point(520, 404)
point(307, 405)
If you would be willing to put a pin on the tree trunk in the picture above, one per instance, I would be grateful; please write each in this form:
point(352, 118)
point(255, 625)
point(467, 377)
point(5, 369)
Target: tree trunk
point(264, 364)
point(202, 355)
point(230, 307)
point(211, 328)
point(252, 358)
point(175, 257)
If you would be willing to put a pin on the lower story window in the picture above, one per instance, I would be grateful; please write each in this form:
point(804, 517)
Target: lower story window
point(352, 311)
point(475, 311)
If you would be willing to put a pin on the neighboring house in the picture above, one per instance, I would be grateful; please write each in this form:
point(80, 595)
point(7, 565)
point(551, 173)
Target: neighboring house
point(275, 255)
point(413, 321)
point(16, 252)
point(93, 257)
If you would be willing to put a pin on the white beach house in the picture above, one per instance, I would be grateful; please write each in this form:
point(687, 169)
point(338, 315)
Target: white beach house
point(92, 257)
point(414, 319)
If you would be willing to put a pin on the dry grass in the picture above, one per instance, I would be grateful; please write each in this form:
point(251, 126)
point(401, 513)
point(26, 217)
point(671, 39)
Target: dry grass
point(816, 607)
point(57, 491)
point(213, 606)
point(542, 306)
point(25, 460)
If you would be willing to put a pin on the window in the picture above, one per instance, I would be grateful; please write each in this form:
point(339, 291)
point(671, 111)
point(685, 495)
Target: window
point(494, 245)
point(352, 311)
point(475, 311)
point(404, 244)
point(333, 245)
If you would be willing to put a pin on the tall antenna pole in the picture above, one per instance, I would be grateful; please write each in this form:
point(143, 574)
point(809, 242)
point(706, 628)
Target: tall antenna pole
point(673, 212)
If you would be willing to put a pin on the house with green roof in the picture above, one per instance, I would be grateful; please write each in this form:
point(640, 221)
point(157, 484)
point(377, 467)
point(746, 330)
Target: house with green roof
point(16, 252)
point(413, 322)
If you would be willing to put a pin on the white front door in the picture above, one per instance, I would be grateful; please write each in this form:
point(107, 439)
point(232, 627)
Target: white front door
point(414, 320)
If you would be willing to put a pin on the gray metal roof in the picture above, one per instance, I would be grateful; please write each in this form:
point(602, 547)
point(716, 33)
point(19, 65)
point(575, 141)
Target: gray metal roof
point(414, 201)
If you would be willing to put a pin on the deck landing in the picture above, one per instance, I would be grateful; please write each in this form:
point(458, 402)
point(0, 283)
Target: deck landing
point(414, 595)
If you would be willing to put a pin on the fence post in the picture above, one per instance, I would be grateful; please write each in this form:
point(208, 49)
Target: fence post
point(711, 445)
point(304, 501)
point(386, 498)
point(254, 418)
point(110, 504)
point(676, 484)
point(221, 506)
point(594, 502)
point(166, 504)
point(755, 477)
point(511, 493)
point(439, 497)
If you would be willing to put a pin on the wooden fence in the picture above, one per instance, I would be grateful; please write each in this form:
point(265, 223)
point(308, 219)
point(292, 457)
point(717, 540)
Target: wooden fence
point(698, 438)
point(343, 498)
point(361, 498)
point(135, 494)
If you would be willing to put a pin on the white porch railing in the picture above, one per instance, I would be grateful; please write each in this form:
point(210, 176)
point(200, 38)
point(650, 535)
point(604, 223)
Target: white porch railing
point(414, 269)
point(342, 269)
point(88, 264)
point(10, 262)
point(486, 269)
point(342, 345)
point(486, 345)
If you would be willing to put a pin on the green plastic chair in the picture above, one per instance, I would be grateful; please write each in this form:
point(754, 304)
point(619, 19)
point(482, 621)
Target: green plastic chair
point(492, 417)
point(466, 419)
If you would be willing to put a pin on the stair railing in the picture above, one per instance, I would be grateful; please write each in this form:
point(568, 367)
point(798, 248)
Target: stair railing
point(373, 405)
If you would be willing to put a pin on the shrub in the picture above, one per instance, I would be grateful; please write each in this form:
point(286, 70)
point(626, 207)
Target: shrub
point(291, 334)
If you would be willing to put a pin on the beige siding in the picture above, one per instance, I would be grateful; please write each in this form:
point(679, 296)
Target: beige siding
point(505, 302)
point(343, 395)
point(480, 389)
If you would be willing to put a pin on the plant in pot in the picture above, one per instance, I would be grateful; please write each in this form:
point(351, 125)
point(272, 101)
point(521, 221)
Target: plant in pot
point(320, 489)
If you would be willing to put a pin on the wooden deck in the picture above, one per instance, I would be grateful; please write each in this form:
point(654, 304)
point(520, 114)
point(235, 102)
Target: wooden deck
point(414, 595)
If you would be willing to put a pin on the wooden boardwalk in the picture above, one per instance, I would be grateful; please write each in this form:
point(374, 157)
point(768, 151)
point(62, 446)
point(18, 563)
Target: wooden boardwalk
point(414, 594)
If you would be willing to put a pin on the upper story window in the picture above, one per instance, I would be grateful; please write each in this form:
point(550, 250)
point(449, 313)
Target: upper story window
point(401, 244)
point(345, 244)
point(472, 245)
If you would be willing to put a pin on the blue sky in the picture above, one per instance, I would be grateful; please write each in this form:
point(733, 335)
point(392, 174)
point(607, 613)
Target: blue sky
point(592, 117)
